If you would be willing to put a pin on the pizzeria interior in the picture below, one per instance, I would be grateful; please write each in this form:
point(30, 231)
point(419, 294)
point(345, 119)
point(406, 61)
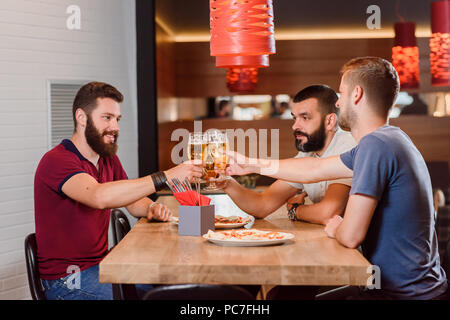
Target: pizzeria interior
point(187, 67)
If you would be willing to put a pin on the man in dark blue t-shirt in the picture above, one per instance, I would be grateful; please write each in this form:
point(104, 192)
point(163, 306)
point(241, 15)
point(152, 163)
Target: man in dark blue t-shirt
point(390, 209)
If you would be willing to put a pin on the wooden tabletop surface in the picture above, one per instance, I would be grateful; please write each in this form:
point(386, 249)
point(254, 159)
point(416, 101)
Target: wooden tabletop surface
point(154, 253)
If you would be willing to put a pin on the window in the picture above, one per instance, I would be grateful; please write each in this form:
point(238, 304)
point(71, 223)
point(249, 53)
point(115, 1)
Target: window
point(60, 113)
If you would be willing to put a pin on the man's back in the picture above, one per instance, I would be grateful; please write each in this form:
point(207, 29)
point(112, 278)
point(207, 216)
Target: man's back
point(401, 238)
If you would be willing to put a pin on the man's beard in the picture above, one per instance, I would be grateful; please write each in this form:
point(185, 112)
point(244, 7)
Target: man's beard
point(347, 119)
point(316, 140)
point(95, 140)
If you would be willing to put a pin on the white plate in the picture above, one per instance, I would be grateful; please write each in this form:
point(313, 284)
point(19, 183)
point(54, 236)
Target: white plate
point(249, 243)
point(219, 225)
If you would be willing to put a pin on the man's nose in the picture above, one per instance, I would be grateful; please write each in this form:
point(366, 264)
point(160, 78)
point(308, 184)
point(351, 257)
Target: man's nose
point(296, 126)
point(115, 125)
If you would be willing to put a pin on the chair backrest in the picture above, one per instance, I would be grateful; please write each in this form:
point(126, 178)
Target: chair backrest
point(120, 225)
point(34, 279)
point(198, 292)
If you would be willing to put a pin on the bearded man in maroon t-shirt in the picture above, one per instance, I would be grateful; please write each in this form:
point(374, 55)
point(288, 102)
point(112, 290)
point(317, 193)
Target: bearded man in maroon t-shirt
point(76, 185)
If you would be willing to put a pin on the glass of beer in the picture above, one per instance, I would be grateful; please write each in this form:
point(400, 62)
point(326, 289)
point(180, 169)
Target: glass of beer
point(196, 145)
point(215, 158)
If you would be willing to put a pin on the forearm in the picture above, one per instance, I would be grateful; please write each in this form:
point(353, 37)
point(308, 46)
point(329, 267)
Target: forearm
point(247, 200)
point(121, 193)
point(304, 170)
point(317, 213)
point(139, 208)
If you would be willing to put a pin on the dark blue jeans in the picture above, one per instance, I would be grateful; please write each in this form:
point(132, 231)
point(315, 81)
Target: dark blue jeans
point(87, 288)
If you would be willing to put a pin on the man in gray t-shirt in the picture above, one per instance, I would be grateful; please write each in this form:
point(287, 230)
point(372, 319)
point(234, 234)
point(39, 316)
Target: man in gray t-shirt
point(389, 211)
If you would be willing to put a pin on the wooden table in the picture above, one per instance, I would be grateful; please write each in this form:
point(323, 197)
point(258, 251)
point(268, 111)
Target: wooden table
point(155, 253)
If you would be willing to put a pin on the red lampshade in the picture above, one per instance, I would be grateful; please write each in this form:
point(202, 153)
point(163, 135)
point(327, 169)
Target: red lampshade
point(242, 79)
point(405, 34)
point(260, 61)
point(241, 27)
point(405, 55)
point(440, 43)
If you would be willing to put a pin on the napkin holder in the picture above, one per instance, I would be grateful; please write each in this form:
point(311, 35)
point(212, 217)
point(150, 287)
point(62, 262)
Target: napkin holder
point(195, 220)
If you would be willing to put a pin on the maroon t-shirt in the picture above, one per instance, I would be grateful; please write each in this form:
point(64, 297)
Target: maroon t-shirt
point(69, 233)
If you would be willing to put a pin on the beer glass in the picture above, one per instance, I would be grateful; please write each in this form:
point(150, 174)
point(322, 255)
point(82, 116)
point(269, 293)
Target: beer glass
point(215, 158)
point(196, 145)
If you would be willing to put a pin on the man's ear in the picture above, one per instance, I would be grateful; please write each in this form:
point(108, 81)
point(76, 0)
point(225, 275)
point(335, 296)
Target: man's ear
point(81, 117)
point(330, 121)
point(357, 94)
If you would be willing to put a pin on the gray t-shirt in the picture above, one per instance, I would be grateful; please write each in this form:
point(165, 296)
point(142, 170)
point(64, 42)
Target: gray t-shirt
point(341, 142)
point(401, 238)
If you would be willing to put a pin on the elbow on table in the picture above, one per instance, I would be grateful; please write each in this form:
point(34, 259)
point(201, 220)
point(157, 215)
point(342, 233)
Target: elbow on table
point(353, 244)
point(350, 242)
point(261, 214)
point(328, 212)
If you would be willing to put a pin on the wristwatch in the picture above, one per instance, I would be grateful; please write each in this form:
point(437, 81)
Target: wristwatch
point(292, 212)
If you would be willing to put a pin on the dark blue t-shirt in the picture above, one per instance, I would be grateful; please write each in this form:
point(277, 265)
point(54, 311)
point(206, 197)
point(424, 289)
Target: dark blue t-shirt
point(401, 238)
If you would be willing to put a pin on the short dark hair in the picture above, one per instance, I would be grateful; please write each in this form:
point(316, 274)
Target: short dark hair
point(325, 96)
point(377, 77)
point(86, 98)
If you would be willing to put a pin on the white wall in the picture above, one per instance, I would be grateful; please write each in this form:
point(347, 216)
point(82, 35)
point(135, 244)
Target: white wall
point(36, 46)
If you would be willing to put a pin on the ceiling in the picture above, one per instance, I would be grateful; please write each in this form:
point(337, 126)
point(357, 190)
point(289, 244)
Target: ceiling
point(188, 20)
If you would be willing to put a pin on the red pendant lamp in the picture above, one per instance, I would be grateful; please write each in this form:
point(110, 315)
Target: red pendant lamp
point(242, 38)
point(242, 80)
point(242, 74)
point(440, 43)
point(241, 27)
point(260, 61)
point(405, 55)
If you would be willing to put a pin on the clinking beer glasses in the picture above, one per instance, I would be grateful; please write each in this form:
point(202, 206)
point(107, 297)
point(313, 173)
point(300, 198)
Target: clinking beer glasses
point(196, 145)
point(215, 158)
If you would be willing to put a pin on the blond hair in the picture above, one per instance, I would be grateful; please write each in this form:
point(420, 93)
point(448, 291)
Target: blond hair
point(378, 79)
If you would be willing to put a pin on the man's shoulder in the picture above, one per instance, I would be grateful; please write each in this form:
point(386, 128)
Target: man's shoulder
point(58, 156)
point(393, 136)
point(386, 137)
point(378, 147)
point(58, 152)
